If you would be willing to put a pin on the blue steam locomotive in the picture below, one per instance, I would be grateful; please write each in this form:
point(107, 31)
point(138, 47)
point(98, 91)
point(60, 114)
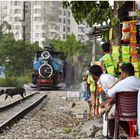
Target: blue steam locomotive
point(49, 69)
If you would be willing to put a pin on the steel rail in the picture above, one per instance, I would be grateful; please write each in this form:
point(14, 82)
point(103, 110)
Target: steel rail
point(24, 108)
point(3, 108)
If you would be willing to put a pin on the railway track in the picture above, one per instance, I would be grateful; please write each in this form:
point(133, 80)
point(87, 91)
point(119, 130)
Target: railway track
point(14, 111)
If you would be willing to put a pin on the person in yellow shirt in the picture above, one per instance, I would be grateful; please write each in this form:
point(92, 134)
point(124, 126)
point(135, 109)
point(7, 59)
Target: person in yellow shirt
point(107, 62)
point(92, 88)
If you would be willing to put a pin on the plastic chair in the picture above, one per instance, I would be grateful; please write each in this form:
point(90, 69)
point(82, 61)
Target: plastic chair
point(126, 110)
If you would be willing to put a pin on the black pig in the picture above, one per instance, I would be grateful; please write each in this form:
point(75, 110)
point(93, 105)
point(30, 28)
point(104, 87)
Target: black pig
point(13, 91)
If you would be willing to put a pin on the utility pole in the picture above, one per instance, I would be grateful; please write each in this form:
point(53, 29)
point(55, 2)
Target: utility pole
point(23, 35)
point(1, 17)
point(93, 46)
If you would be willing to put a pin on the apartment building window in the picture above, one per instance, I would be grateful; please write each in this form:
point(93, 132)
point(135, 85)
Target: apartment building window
point(17, 27)
point(49, 26)
point(43, 27)
point(69, 14)
point(16, 34)
point(37, 2)
point(68, 21)
point(17, 11)
point(11, 19)
point(83, 23)
point(17, 18)
point(3, 17)
point(43, 43)
point(44, 19)
point(36, 34)
point(60, 20)
point(58, 36)
point(64, 29)
point(43, 35)
point(37, 18)
point(44, 10)
point(64, 36)
point(37, 10)
point(80, 37)
point(37, 42)
point(64, 13)
point(17, 3)
point(64, 20)
point(68, 29)
point(12, 26)
point(36, 26)
point(81, 29)
point(4, 7)
point(53, 34)
point(57, 28)
point(52, 26)
point(10, 11)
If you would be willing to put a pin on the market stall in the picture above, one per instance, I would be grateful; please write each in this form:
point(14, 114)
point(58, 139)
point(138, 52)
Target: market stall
point(129, 48)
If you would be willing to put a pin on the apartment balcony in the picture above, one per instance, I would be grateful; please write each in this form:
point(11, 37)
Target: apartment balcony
point(38, 14)
point(81, 37)
point(53, 31)
point(54, 23)
point(17, 15)
point(56, 36)
point(37, 6)
point(81, 33)
point(81, 26)
point(60, 16)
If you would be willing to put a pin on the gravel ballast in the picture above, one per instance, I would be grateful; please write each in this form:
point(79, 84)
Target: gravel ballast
point(52, 121)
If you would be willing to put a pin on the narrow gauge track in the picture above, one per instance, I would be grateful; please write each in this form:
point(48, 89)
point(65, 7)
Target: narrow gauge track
point(16, 110)
point(9, 105)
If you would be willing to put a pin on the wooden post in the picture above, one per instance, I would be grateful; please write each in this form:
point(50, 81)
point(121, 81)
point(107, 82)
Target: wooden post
point(93, 49)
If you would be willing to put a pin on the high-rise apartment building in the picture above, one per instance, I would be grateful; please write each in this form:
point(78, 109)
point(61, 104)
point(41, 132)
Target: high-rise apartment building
point(14, 17)
point(43, 20)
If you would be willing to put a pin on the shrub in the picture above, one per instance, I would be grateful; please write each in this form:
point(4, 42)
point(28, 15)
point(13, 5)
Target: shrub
point(8, 82)
point(14, 81)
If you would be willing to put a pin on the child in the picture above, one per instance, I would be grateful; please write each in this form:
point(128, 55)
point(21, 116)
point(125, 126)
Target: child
point(84, 90)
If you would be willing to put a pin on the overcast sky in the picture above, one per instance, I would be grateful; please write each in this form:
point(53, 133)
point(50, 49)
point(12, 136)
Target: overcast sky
point(111, 2)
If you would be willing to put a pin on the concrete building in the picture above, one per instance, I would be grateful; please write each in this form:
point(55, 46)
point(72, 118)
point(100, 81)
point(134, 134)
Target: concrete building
point(43, 20)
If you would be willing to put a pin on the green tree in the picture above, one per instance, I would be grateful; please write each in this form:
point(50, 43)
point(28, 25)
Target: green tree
point(96, 12)
point(5, 27)
point(11, 52)
point(77, 53)
point(91, 11)
point(73, 49)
